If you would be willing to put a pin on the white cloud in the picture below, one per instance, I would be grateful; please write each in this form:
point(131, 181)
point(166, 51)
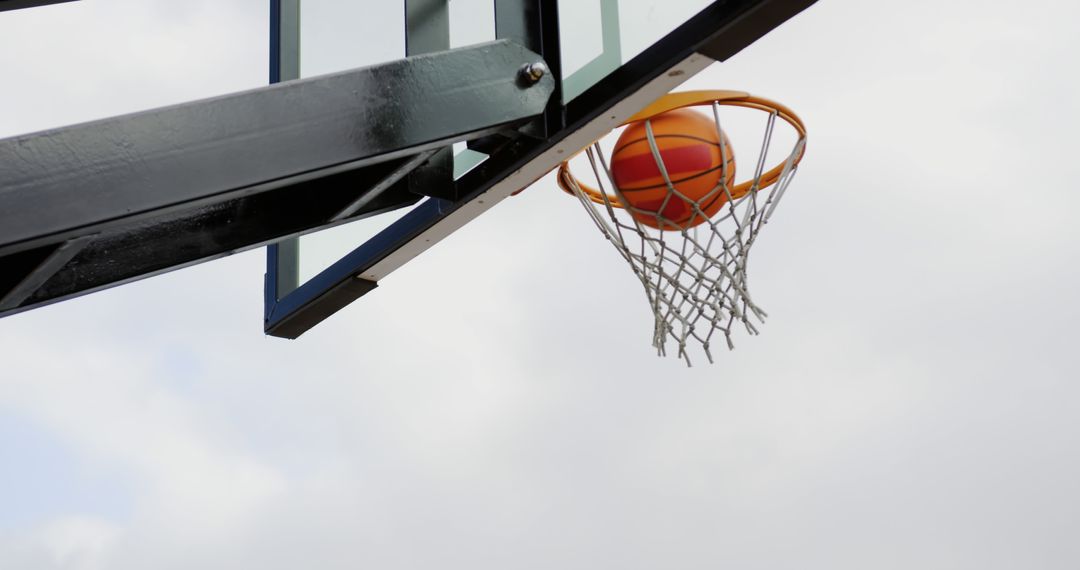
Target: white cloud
point(74, 542)
point(496, 403)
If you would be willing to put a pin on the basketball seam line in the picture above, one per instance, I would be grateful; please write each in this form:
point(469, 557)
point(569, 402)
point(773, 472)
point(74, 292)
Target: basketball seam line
point(673, 182)
point(679, 136)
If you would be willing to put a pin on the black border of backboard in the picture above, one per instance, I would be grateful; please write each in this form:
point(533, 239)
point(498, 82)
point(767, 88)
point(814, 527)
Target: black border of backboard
point(6, 5)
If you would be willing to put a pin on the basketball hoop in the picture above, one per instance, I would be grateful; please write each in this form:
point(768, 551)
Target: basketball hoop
point(693, 267)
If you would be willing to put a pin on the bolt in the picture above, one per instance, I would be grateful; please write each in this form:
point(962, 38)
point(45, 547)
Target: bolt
point(532, 72)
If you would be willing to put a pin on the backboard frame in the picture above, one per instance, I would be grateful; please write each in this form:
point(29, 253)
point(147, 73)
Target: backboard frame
point(717, 32)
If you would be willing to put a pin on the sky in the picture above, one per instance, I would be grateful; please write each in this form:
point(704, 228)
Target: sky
point(911, 401)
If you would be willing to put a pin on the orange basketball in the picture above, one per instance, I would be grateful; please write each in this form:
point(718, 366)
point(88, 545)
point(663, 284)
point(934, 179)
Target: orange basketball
point(689, 145)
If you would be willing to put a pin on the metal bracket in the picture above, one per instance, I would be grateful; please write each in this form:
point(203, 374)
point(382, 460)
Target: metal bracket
point(169, 187)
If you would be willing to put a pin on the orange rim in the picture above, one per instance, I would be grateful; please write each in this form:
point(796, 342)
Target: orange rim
point(672, 101)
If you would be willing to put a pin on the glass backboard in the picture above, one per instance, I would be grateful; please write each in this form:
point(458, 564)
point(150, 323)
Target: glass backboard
point(613, 58)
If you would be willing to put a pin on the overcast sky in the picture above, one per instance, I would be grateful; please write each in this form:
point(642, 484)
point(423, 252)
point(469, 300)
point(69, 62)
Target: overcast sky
point(912, 401)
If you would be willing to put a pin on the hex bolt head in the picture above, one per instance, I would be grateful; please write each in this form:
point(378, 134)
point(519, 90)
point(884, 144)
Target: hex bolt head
point(533, 72)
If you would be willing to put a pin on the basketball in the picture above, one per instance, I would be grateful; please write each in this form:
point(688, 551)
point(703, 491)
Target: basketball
point(689, 145)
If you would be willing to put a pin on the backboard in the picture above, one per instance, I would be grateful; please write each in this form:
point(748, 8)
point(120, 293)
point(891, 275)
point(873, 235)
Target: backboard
point(21, 4)
point(608, 59)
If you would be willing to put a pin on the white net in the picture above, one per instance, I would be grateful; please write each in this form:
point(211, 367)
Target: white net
point(695, 277)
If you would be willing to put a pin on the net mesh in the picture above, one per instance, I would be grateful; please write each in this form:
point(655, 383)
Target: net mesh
point(695, 277)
